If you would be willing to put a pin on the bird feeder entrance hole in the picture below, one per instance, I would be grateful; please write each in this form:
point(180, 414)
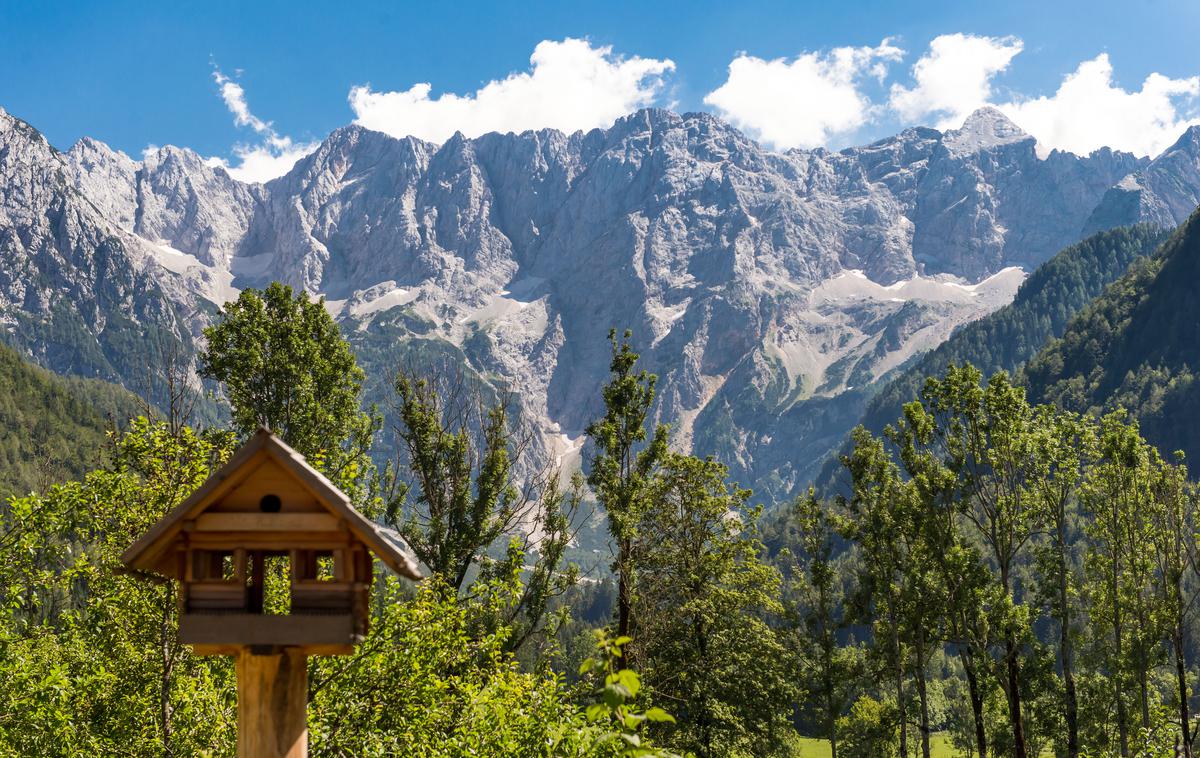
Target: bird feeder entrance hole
point(274, 564)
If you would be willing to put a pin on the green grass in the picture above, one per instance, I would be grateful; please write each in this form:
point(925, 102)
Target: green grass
point(810, 747)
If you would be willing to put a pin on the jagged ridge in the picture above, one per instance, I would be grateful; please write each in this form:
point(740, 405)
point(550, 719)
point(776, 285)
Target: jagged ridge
point(730, 262)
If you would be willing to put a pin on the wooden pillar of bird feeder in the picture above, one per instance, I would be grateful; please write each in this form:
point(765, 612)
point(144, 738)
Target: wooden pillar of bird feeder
point(272, 694)
point(227, 542)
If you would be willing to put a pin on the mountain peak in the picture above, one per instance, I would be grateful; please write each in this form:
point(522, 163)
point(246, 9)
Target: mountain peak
point(985, 128)
point(91, 150)
point(1189, 141)
point(21, 128)
point(992, 118)
point(501, 254)
point(168, 154)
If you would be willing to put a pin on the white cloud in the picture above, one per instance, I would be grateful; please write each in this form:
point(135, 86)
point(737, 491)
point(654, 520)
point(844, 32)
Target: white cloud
point(260, 163)
point(1088, 112)
point(273, 156)
point(803, 102)
point(571, 86)
point(954, 77)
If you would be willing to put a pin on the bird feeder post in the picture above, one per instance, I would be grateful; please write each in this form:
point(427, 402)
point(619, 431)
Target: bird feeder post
point(272, 698)
point(269, 516)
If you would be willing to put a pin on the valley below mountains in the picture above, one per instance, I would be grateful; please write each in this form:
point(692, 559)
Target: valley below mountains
point(773, 293)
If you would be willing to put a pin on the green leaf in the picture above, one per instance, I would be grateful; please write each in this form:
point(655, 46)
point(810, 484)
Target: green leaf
point(658, 714)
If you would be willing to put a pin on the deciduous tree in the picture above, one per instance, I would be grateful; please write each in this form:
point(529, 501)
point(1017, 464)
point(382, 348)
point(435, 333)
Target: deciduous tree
point(284, 364)
point(625, 462)
point(702, 600)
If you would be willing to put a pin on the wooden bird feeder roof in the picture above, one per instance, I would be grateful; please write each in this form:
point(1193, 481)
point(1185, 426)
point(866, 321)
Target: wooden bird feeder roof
point(305, 505)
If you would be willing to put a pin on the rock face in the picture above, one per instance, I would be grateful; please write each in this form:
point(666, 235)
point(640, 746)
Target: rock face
point(1165, 192)
point(77, 291)
point(170, 198)
point(769, 291)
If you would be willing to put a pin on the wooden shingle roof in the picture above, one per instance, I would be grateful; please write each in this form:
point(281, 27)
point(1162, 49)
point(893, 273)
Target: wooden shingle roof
point(145, 554)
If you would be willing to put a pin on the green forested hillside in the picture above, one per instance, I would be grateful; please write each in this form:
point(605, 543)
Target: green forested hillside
point(1136, 346)
point(52, 427)
point(1041, 310)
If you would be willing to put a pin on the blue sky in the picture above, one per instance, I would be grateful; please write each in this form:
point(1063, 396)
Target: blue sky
point(139, 74)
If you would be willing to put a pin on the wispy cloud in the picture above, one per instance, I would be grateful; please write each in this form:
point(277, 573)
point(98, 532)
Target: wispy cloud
point(571, 85)
point(272, 155)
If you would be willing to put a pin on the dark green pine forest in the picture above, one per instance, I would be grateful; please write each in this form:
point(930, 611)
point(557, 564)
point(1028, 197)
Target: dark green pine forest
point(1041, 310)
point(1136, 346)
point(1009, 564)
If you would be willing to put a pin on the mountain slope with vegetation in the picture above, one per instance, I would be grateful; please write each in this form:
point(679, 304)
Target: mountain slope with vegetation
point(54, 427)
point(1135, 346)
point(1041, 310)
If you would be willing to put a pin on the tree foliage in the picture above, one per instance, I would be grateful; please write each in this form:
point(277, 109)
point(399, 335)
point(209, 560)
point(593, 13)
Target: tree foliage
point(1053, 552)
point(626, 459)
point(1041, 310)
point(90, 663)
point(1132, 347)
point(90, 660)
point(284, 365)
point(1020, 578)
point(703, 598)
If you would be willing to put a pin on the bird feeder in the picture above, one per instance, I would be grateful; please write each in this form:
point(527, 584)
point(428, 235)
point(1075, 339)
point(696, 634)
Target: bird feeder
point(274, 565)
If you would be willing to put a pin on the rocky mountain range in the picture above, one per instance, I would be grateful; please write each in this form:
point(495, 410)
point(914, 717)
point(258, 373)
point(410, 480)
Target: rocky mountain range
point(770, 291)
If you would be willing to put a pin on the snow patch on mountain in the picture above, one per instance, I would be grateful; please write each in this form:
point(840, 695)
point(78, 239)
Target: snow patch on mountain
point(853, 284)
point(213, 283)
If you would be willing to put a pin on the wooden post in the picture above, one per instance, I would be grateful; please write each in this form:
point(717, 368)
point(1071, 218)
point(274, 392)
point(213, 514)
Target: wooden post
point(272, 703)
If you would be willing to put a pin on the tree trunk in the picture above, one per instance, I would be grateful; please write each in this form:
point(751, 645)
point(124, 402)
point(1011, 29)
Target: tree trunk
point(168, 664)
point(976, 700)
point(622, 606)
point(831, 709)
point(1013, 667)
point(899, 675)
point(624, 612)
point(1144, 693)
point(828, 652)
point(923, 695)
point(1067, 653)
point(1072, 707)
point(1014, 696)
point(1181, 677)
point(1122, 715)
